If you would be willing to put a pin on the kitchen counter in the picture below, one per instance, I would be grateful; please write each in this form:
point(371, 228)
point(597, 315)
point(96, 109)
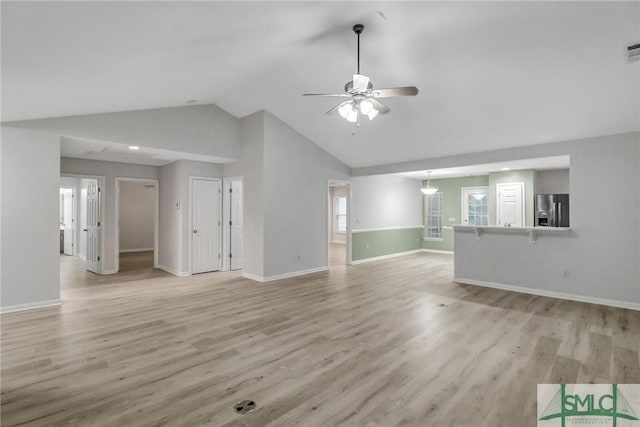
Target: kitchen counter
point(532, 232)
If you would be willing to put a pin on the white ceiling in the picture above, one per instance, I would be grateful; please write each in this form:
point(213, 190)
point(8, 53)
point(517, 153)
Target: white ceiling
point(491, 74)
point(542, 163)
point(106, 151)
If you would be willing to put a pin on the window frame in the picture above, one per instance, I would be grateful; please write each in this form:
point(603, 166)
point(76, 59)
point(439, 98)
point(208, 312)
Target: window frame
point(427, 217)
point(337, 215)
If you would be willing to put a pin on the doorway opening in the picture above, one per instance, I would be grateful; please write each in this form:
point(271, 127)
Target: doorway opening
point(137, 224)
point(233, 230)
point(81, 240)
point(68, 220)
point(338, 224)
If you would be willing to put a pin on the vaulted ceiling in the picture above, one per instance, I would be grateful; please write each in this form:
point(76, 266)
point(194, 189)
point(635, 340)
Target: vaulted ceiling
point(491, 74)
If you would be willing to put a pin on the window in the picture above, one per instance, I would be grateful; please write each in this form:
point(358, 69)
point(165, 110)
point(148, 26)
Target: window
point(433, 216)
point(475, 205)
point(340, 204)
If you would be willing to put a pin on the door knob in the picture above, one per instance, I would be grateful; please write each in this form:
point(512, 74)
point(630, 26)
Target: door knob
point(195, 231)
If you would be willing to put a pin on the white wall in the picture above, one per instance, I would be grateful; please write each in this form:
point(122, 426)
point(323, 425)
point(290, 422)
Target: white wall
point(599, 258)
point(250, 165)
point(137, 208)
point(385, 201)
point(552, 182)
point(30, 231)
point(110, 170)
point(296, 175)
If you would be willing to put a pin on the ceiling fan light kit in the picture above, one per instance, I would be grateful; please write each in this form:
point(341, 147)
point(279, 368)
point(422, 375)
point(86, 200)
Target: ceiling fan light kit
point(362, 97)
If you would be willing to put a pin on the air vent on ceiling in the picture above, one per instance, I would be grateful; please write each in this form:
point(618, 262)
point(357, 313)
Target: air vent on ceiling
point(633, 52)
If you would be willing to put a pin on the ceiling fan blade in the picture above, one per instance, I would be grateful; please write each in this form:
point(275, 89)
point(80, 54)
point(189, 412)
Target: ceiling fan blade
point(334, 109)
point(382, 109)
point(360, 82)
point(326, 94)
point(395, 91)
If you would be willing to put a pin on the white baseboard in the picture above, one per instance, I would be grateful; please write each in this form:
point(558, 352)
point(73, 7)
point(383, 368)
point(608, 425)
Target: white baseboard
point(551, 294)
point(106, 272)
point(174, 272)
point(284, 275)
point(31, 306)
point(381, 257)
point(254, 277)
point(437, 251)
point(124, 251)
point(82, 257)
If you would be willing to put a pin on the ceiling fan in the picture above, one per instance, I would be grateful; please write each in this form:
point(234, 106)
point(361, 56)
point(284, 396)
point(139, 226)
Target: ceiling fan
point(363, 98)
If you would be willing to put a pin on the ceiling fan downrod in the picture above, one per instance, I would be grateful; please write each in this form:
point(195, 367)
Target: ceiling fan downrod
point(358, 29)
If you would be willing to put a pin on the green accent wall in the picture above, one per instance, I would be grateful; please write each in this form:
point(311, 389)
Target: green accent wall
point(369, 244)
point(526, 176)
point(451, 189)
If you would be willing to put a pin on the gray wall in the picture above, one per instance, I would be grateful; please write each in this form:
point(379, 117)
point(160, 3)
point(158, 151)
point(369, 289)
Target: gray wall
point(598, 258)
point(30, 266)
point(250, 164)
point(175, 233)
point(137, 216)
point(552, 182)
point(199, 129)
point(296, 175)
point(385, 201)
point(171, 211)
point(110, 170)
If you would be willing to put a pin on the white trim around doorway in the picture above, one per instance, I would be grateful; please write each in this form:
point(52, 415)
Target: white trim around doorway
point(101, 185)
point(328, 230)
point(156, 220)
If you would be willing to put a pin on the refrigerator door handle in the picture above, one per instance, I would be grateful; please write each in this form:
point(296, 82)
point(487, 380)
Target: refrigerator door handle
point(559, 221)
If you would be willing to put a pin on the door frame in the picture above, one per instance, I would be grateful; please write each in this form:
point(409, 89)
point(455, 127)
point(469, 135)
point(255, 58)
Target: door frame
point(328, 230)
point(190, 215)
point(226, 228)
point(156, 219)
point(74, 217)
point(101, 185)
point(522, 200)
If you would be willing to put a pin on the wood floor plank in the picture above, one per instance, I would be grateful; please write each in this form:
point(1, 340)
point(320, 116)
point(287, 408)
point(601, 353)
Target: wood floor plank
point(386, 343)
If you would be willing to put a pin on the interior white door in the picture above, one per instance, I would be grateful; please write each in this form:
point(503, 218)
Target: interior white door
point(206, 222)
point(510, 209)
point(67, 220)
point(93, 227)
point(236, 225)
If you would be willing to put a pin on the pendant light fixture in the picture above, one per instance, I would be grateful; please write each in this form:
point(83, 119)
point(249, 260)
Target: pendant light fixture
point(429, 190)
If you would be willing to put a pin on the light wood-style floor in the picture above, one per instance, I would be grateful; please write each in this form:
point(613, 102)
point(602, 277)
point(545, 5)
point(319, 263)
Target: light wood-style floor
point(337, 254)
point(386, 343)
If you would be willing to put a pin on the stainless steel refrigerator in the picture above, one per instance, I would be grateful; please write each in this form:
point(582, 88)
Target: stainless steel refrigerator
point(551, 210)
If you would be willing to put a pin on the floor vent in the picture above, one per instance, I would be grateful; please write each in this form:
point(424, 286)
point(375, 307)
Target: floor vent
point(244, 407)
